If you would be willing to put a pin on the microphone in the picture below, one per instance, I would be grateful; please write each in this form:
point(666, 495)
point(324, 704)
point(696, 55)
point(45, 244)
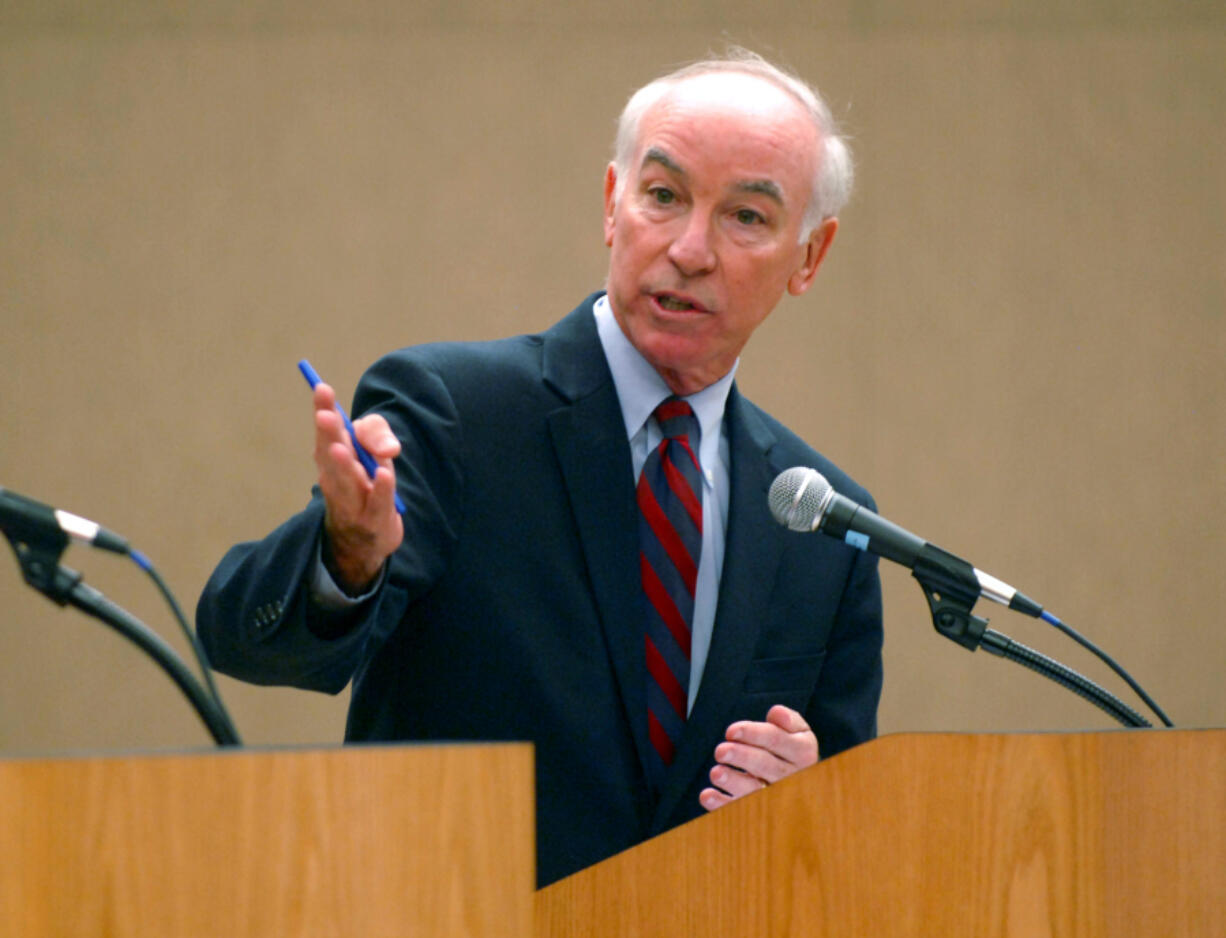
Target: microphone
point(25, 520)
point(802, 500)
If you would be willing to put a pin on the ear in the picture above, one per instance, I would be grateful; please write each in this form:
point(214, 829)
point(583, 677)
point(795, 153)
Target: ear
point(815, 249)
point(610, 203)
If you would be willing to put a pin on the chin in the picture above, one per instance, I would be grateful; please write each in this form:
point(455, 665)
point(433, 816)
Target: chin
point(685, 374)
point(666, 352)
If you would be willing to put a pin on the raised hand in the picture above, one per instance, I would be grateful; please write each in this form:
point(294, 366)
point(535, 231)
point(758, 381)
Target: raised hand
point(362, 527)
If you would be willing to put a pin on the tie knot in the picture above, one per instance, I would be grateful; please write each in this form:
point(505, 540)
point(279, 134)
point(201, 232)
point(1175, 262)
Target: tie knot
point(677, 421)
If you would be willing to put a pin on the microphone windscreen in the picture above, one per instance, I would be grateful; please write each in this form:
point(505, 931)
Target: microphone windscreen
point(799, 497)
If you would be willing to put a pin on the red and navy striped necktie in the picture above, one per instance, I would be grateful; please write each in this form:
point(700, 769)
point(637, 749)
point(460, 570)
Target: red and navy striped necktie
point(670, 545)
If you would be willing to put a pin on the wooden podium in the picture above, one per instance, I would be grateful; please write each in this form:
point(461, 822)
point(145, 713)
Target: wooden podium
point(1086, 834)
point(950, 836)
point(363, 841)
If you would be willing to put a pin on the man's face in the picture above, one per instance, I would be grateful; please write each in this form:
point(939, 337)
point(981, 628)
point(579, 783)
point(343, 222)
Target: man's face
point(704, 235)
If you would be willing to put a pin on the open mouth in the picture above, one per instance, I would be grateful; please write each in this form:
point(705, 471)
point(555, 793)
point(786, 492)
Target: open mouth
point(675, 304)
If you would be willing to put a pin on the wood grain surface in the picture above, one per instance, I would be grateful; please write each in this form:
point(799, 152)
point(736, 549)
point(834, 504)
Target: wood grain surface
point(372, 841)
point(1095, 834)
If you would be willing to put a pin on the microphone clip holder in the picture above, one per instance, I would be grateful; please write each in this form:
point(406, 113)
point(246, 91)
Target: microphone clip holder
point(951, 588)
point(39, 549)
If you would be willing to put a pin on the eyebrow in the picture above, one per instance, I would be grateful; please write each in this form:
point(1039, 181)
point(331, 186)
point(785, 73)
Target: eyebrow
point(765, 187)
point(656, 155)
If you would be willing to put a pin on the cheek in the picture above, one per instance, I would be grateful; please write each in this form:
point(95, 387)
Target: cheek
point(759, 281)
point(632, 254)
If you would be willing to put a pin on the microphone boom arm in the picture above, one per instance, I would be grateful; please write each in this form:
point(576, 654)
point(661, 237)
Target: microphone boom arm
point(38, 552)
point(951, 587)
point(1004, 647)
point(89, 600)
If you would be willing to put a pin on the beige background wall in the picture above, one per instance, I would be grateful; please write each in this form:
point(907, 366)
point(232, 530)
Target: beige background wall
point(1017, 341)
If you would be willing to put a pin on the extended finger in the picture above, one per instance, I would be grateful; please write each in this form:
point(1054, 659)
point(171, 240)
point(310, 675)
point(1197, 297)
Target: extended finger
point(329, 428)
point(342, 477)
point(345, 485)
point(324, 398)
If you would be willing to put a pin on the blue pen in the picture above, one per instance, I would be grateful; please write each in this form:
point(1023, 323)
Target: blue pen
point(367, 461)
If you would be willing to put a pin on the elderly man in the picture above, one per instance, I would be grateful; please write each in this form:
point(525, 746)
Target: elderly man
point(586, 559)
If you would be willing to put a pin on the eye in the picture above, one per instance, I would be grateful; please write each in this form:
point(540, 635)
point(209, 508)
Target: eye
point(662, 196)
point(747, 216)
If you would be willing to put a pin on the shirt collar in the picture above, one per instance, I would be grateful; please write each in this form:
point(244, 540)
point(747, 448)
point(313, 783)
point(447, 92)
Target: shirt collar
point(640, 389)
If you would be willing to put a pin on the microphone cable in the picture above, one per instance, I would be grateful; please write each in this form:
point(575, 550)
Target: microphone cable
point(202, 658)
point(1109, 661)
point(39, 535)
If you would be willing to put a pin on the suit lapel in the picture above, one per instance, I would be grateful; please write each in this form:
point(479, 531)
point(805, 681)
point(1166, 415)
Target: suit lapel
point(751, 557)
point(590, 442)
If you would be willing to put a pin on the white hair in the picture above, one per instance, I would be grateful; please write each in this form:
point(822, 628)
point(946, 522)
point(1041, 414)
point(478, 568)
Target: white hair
point(834, 172)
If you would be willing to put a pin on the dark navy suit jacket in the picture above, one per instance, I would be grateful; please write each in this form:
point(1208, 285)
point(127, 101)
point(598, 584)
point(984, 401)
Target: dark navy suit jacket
point(511, 611)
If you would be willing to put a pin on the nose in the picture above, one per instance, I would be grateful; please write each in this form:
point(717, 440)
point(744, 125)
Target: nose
point(691, 251)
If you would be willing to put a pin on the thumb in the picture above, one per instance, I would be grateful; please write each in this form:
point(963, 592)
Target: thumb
point(787, 719)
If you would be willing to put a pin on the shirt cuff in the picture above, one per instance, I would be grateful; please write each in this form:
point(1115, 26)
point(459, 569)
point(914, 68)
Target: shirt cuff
point(325, 592)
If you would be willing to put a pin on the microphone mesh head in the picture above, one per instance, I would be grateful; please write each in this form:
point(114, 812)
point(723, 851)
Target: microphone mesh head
point(799, 497)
